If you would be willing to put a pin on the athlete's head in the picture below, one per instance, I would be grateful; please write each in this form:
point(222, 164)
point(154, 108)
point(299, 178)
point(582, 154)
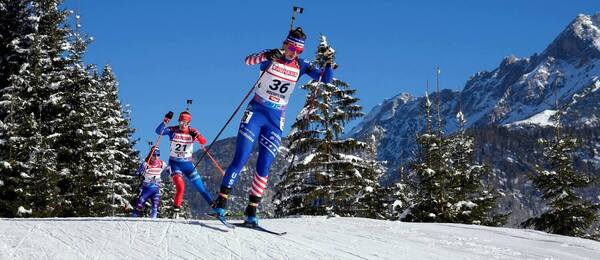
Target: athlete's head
point(153, 154)
point(294, 43)
point(184, 119)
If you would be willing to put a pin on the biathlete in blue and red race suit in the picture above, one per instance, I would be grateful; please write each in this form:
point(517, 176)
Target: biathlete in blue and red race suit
point(150, 169)
point(264, 117)
point(180, 157)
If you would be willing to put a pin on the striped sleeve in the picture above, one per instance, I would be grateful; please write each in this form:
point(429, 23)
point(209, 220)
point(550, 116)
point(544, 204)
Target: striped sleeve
point(255, 58)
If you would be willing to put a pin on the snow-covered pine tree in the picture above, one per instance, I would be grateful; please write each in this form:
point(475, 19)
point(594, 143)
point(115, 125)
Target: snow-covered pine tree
point(431, 202)
point(471, 202)
point(326, 178)
point(569, 213)
point(399, 196)
point(17, 23)
point(378, 201)
point(53, 109)
point(122, 158)
point(28, 150)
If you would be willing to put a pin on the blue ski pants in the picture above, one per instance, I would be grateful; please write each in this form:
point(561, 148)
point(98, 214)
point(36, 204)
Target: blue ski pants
point(258, 123)
point(148, 191)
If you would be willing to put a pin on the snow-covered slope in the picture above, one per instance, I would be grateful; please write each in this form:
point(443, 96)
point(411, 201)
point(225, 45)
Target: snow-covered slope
point(307, 238)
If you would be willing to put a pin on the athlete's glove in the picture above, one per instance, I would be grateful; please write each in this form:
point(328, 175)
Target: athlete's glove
point(201, 138)
point(168, 117)
point(273, 54)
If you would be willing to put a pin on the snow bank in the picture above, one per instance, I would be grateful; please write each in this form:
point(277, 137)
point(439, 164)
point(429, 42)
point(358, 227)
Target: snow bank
point(307, 238)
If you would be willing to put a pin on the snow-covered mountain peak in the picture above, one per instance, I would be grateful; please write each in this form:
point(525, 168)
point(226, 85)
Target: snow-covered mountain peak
point(580, 40)
point(383, 111)
point(518, 90)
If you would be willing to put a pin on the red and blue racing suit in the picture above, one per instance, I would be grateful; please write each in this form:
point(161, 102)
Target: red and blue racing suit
point(180, 160)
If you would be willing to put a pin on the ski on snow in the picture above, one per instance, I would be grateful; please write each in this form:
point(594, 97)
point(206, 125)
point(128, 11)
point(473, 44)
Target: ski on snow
point(245, 225)
point(222, 219)
point(258, 228)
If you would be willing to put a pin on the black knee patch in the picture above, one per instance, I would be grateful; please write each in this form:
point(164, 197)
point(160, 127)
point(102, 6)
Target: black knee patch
point(254, 199)
point(252, 205)
point(221, 201)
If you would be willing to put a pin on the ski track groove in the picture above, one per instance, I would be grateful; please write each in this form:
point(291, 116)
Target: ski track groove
point(22, 239)
point(162, 240)
point(128, 231)
point(133, 234)
point(103, 248)
point(57, 238)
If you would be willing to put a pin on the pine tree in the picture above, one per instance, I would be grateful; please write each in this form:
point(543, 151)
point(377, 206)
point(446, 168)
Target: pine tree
point(471, 202)
point(119, 147)
point(28, 171)
point(327, 178)
point(569, 214)
point(431, 202)
point(17, 23)
point(63, 131)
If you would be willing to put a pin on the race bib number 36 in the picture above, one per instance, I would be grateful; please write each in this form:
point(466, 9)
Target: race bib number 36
point(278, 83)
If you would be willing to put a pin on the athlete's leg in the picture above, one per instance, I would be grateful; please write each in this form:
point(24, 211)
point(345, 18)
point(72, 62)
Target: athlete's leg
point(247, 135)
point(194, 177)
point(269, 142)
point(155, 202)
point(145, 193)
point(176, 175)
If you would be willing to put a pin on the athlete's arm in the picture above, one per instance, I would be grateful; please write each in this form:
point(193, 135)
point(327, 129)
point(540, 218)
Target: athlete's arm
point(314, 72)
point(162, 128)
point(141, 169)
point(197, 136)
point(255, 58)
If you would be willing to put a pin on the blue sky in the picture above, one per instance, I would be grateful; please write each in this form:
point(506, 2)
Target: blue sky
point(164, 52)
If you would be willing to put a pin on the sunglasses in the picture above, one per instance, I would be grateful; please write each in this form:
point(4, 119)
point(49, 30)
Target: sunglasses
point(294, 48)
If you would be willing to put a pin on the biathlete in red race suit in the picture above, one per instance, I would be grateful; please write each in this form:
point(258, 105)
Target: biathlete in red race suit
point(180, 156)
point(264, 118)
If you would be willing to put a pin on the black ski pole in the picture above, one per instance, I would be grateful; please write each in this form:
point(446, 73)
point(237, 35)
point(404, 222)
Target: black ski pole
point(295, 9)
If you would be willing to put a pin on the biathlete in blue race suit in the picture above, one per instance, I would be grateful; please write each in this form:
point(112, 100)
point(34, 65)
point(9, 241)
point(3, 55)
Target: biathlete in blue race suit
point(263, 120)
point(180, 156)
point(151, 169)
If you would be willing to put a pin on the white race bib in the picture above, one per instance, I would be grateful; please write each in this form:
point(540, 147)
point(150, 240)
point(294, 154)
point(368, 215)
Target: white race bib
point(152, 173)
point(182, 146)
point(278, 83)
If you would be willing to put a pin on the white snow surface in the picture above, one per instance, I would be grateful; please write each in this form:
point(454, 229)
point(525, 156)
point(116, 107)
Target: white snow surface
point(307, 238)
point(541, 119)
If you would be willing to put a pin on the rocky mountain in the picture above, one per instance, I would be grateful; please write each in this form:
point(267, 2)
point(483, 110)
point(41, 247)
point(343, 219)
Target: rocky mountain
point(568, 70)
point(501, 106)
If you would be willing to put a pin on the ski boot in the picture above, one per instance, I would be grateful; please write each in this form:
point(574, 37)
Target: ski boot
point(251, 219)
point(136, 211)
point(176, 213)
point(218, 206)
